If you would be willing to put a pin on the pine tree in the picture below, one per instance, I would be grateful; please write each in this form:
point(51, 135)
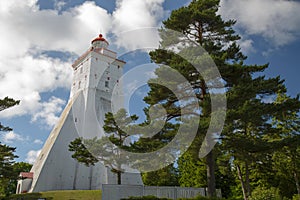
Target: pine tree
point(247, 130)
point(106, 149)
point(11, 183)
point(7, 153)
point(117, 127)
point(248, 123)
point(201, 26)
point(7, 156)
point(286, 158)
point(167, 176)
point(81, 153)
point(4, 104)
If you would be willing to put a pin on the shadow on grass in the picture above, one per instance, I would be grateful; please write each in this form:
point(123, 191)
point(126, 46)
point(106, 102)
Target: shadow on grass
point(28, 196)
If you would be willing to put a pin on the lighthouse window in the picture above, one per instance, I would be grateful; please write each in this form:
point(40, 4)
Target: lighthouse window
point(106, 83)
point(79, 84)
point(81, 70)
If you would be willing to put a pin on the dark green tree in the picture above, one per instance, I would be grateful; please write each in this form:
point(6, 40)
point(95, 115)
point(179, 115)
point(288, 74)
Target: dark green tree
point(246, 135)
point(4, 104)
point(249, 132)
point(201, 26)
point(106, 149)
point(150, 141)
point(286, 158)
point(7, 156)
point(11, 184)
point(81, 153)
point(7, 153)
point(167, 176)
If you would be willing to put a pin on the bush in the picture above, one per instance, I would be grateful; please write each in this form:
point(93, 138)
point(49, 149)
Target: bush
point(28, 196)
point(202, 198)
point(296, 197)
point(145, 198)
point(263, 193)
point(156, 198)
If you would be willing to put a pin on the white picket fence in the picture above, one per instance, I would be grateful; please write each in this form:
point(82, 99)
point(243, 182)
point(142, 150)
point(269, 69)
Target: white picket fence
point(116, 192)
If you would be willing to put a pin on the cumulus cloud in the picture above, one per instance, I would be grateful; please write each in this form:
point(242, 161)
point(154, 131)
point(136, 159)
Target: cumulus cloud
point(246, 46)
point(24, 78)
point(37, 141)
point(278, 21)
point(132, 14)
point(27, 32)
point(11, 137)
point(140, 16)
point(59, 4)
point(32, 155)
point(48, 111)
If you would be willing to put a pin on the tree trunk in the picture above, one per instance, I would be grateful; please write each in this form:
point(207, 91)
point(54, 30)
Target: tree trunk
point(242, 182)
point(91, 176)
point(211, 180)
point(119, 173)
point(75, 174)
point(297, 182)
point(247, 179)
point(296, 178)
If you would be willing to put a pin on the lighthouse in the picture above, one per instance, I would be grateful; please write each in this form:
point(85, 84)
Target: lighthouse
point(96, 78)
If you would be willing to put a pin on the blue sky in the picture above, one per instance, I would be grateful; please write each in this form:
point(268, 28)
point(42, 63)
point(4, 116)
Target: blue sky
point(41, 38)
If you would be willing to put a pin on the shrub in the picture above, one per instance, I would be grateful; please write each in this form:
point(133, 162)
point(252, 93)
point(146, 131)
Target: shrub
point(263, 193)
point(145, 198)
point(202, 198)
point(296, 197)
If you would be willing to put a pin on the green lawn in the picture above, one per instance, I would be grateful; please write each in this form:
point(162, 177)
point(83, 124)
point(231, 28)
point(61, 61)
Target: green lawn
point(61, 195)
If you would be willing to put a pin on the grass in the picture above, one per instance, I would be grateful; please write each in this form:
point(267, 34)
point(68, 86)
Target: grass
point(60, 195)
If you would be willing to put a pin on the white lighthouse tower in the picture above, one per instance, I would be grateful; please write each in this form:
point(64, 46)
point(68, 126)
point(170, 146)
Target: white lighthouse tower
point(96, 76)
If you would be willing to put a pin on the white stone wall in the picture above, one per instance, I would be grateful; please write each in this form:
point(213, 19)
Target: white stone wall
point(23, 186)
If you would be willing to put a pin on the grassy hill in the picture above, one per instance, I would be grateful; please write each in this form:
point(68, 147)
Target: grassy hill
point(60, 195)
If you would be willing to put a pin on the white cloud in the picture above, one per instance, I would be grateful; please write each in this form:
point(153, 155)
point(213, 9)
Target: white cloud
point(246, 46)
point(139, 16)
point(278, 21)
point(11, 137)
point(26, 77)
point(37, 141)
point(132, 14)
point(48, 111)
point(59, 4)
point(27, 32)
point(32, 155)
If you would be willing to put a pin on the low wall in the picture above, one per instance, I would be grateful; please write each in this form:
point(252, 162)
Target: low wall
point(116, 192)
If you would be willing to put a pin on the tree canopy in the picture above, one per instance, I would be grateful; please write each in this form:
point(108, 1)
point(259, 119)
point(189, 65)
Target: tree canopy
point(8, 171)
point(4, 104)
point(259, 144)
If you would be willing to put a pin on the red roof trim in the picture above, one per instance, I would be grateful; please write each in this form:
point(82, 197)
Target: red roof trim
point(100, 38)
point(26, 175)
